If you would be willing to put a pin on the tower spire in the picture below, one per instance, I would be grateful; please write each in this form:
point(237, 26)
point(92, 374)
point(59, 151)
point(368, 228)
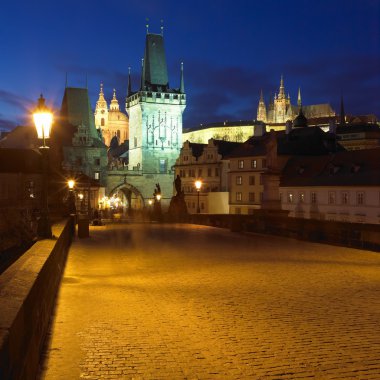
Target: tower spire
point(342, 114)
point(129, 91)
point(182, 85)
point(142, 75)
point(299, 101)
point(281, 93)
point(147, 25)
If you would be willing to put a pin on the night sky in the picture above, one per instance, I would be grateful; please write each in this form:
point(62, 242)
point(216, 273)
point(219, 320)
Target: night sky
point(230, 49)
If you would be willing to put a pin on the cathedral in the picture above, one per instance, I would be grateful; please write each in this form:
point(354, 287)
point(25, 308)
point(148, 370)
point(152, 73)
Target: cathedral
point(111, 122)
point(280, 110)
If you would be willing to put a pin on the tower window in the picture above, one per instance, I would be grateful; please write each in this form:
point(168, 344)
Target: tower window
point(102, 121)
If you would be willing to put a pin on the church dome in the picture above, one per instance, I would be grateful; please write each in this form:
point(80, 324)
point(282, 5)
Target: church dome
point(300, 121)
point(117, 116)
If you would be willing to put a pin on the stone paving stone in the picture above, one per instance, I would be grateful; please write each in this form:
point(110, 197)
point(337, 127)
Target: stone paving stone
point(192, 302)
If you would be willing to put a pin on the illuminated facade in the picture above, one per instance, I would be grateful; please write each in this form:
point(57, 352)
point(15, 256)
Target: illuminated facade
point(236, 131)
point(111, 122)
point(280, 109)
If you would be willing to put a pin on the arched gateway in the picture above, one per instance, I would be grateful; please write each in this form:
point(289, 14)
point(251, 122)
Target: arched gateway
point(130, 197)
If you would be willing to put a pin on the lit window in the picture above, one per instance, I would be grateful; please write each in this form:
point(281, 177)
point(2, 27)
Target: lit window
point(290, 198)
point(97, 175)
point(239, 180)
point(241, 164)
point(331, 197)
point(239, 196)
point(302, 197)
point(344, 197)
point(253, 164)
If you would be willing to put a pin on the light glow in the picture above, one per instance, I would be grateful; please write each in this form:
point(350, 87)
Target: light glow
point(71, 184)
point(198, 185)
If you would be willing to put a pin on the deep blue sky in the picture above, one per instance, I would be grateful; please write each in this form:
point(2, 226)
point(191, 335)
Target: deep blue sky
point(230, 49)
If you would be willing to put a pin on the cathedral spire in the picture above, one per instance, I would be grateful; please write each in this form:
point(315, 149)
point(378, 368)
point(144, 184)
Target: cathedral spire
point(182, 85)
point(261, 96)
point(261, 109)
point(129, 90)
point(281, 93)
point(342, 114)
point(299, 101)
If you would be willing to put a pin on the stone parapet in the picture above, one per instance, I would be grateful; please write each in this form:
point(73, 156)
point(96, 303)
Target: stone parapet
point(27, 296)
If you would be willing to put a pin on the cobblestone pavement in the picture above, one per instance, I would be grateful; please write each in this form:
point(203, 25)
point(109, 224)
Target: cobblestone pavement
point(144, 301)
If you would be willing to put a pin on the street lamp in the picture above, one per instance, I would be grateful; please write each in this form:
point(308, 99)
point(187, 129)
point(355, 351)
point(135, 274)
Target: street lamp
point(198, 185)
point(43, 120)
point(71, 200)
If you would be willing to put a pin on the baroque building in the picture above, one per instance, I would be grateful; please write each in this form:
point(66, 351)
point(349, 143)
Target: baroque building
point(280, 109)
point(111, 122)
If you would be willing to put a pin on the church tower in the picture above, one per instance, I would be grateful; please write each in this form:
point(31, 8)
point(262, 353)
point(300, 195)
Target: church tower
point(101, 112)
point(281, 104)
point(155, 114)
point(261, 109)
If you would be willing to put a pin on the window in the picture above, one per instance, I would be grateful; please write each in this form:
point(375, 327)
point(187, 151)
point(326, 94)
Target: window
point(241, 164)
point(261, 196)
point(97, 175)
point(102, 122)
point(344, 198)
point(216, 172)
point(360, 198)
point(239, 180)
point(253, 164)
point(261, 179)
point(163, 165)
point(239, 196)
point(331, 198)
point(135, 142)
point(290, 198)
point(237, 210)
point(97, 161)
point(199, 173)
point(313, 198)
point(251, 180)
point(251, 197)
point(209, 172)
point(301, 197)
point(263, 163)
point(79, 161)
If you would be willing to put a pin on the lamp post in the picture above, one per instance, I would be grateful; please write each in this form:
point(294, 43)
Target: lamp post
point(43, 120)
point(198, 185)
point(72, 207)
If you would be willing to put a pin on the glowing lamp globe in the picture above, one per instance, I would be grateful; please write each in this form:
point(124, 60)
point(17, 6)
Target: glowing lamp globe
point(43, 119)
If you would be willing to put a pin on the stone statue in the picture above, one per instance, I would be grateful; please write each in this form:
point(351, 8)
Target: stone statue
point(177, 184)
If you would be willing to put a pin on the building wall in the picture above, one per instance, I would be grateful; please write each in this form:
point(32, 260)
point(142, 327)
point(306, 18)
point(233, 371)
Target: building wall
point(239, 133)
point(340, 203)
point(246, 184)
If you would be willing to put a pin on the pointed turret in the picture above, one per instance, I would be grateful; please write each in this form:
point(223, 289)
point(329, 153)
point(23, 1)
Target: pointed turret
point(129, 90)
point(261, 109)
point(182, 85)
point(299, 101)
point(114, 106)
point(142, 84)
point(342, 114)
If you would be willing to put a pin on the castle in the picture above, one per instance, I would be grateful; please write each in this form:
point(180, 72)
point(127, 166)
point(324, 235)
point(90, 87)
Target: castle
point(280, 109)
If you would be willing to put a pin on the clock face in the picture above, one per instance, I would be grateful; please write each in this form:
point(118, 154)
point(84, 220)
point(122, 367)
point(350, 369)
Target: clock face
point(102, 111)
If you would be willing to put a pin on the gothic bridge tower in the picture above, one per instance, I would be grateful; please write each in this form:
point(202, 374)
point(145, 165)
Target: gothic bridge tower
point(155, 126)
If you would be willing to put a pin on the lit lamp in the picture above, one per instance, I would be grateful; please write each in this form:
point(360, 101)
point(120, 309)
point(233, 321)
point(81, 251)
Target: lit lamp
point(158, 197)
point(198, 185)
point(43, 120)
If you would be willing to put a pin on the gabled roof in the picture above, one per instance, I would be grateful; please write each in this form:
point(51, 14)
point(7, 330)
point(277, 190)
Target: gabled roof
point(347, 168)
point(21, 137)
point(197, 149)
point(20, 161)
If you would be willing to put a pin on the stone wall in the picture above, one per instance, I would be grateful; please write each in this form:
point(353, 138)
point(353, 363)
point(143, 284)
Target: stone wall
point(27, 295)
